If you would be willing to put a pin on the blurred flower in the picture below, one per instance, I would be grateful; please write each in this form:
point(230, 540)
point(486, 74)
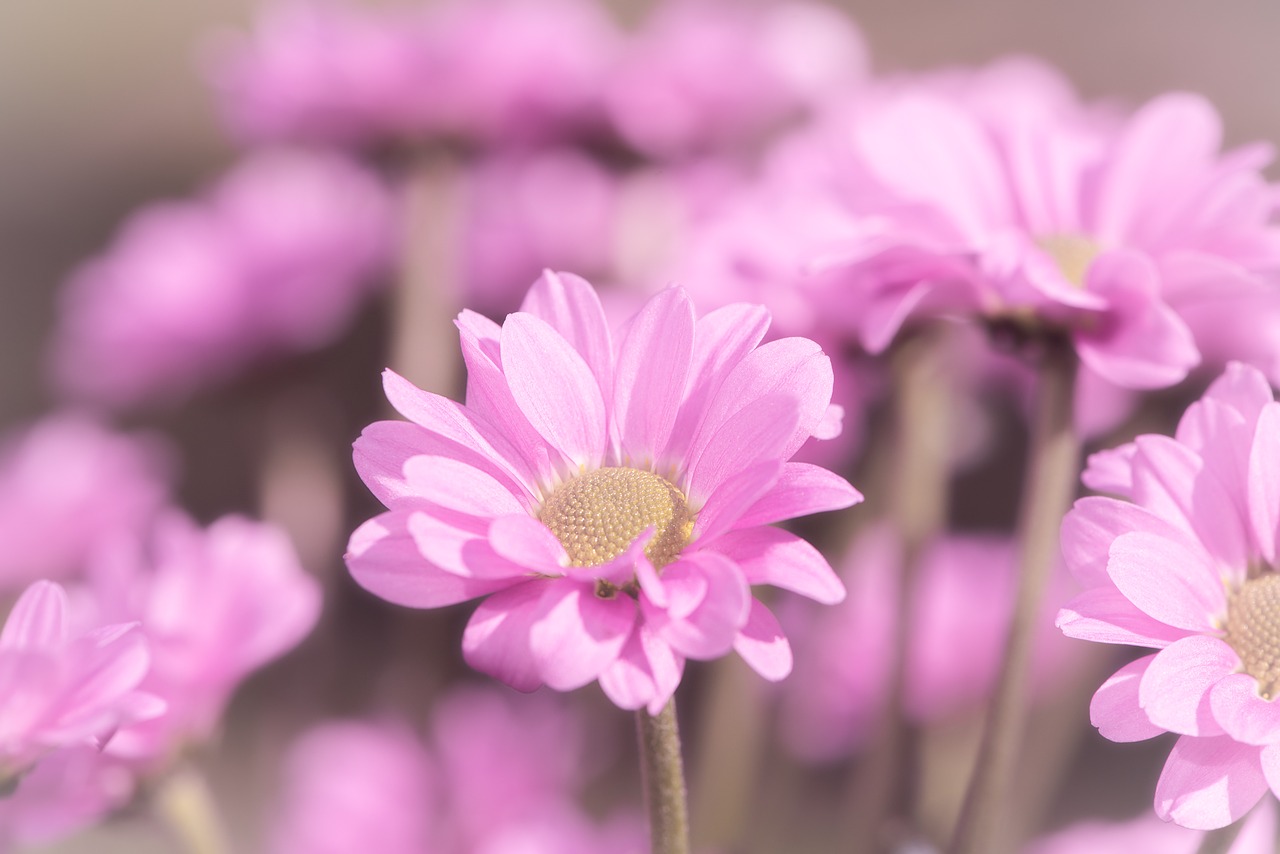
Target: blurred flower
point(62, 689)
point(1147, 833)
point(67, 485)
point(960, 614)
point(1186, 566)
point(611, 502)
point(498, 774)
point(215, 605)
point(274, 258)
point(673, 96)
point(68, 791)
point(482, 72)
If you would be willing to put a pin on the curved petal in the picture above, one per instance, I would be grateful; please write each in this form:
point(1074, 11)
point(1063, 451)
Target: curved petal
point(38, 619)
point(725, 507)
point(496, 640)
point(758, 432)
point(523, 539)
point(1104, 615)
point(802, 489)
point(701, 626)
point(576, 634)
point(1208, 783)
point(383, 557)
point(1111, 470)
point(571, 306)
point(454, 485)
point(762, 644)
point(554, 388)
point(1174, 691)
point(1095, 522)
point(1264, 481)
point(1115, 709)
point(1243, 714)
point(653, 369)
point(645, 675)
point(1271, 767)
point(777, 557)
point(1167, 581)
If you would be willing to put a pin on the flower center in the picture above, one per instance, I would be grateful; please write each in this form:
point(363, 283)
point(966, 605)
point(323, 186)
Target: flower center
point(1072, 253)
point(1253, 630)
point(598, 515)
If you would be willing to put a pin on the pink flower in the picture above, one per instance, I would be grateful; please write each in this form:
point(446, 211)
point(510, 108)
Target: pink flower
point(960, 613)
point(1146, 833)
point(62, 689)
point(997, 194)
point(274, 258)
point(671, 95)
point(215, 605)
point(69, 790)
point(1185, 565)
point(67, 485)
point(609, 500)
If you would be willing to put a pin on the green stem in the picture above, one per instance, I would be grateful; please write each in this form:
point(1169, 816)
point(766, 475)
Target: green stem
point(1053, 467)
point(662, 773)
point(186, 806)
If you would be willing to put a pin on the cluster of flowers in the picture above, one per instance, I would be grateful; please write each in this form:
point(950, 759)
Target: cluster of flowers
point(610, 484)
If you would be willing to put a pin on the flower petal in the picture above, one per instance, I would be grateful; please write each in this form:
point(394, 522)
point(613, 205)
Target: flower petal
point(725, 507)
point(1104, 615)
point(1208, 783)
point(708, 628)
point(453, 485)
point(762, 644)
point(1243, 714)
point(524, 540)
point(38, 619)
point(1264, 481)
point(777, 557)
point(758, 432)
point(571, 306)
point(1174, 691)
point(801, 489)
point(1115, 710)
point(1168, 581)
point(1095, 522)
point(497, 641)
point(653, 367)
point(576, 634)
point(646, 674)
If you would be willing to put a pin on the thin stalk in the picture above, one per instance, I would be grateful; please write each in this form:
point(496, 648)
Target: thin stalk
point(662, 774)
point(1053, 466)
point(1220, 841)
point(185, 805)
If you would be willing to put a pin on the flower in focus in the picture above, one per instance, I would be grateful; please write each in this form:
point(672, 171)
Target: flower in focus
point(610, 501)
point(254, 602)
point(1186, 564)
point(498, 773)
point(275, 258)
point(998, 194)
point(53, 479)
point(63, 689)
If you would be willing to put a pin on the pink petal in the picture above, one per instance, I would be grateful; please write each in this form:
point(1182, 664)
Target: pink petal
point(571, 306)
point(1168, 581)
point(758, 432)
point(1115, 710)
point(709, 629)
point(777, 557)
point(1242, 387)
point(726, 506)
point(802, 489)
point(886, 312)
point(523, 539)
point(1111, 470)
point(762, 644)
point(454, 485)
point(1208, 783)
point(497, 637)
point(384, 559)
point(554, 388)
point(721, 339)
point(1175, 688)
point(653, 368)
point(109, 663)
point(1264, 481)
point(1271, 767)
point(1104, 615)
point(459, 551)
point(576, 634)
point(38, 619)
point(646, 674)
point(1094, 523)
point(1243, 714)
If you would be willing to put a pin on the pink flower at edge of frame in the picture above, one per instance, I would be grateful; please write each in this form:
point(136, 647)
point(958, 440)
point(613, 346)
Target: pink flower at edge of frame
point(1184, 565)
point(553, 400)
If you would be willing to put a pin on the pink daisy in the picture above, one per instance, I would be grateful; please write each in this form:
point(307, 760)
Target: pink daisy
point(1186, 565)
point(609, 499)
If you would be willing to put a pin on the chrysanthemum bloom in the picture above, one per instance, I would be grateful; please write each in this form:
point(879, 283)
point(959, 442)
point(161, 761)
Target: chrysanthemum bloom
point(1186, 564)
point(215, 605)
point(610, 500)
point(62, 688)
point(274, 258)
point(997, 194)
point(67, 485)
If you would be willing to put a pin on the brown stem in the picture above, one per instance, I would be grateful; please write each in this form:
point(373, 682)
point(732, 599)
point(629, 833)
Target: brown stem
point(1053, 466)
point(662, 774)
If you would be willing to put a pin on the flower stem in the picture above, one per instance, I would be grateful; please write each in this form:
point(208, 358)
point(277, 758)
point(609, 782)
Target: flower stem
point(1220, 841)
point(1053, 467)
point(186, 806)
point(662, 773)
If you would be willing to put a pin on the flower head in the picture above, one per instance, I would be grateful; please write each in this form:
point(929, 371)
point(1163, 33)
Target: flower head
point(610, 499)
point(1186, 564)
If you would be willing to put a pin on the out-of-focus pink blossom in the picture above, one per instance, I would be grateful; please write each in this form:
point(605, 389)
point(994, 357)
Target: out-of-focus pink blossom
point(997, 194)
point(498, 773)
point(215, 605)
point(706, 74)
point(960, 613)
point(274, 258)
point(612, 501)
point(481, 72)
point(1148, 833)
point(61, 688)
point(68, 791)
point(67, 485)
point(1185, 565)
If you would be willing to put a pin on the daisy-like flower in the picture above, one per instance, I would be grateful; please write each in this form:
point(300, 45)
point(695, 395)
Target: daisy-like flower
point(1187, 564)
point(609, 499)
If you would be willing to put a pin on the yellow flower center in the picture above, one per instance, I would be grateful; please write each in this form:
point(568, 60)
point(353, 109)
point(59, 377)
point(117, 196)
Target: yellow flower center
point(1072, 253)
point(598, 515)
point(1253, 630)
